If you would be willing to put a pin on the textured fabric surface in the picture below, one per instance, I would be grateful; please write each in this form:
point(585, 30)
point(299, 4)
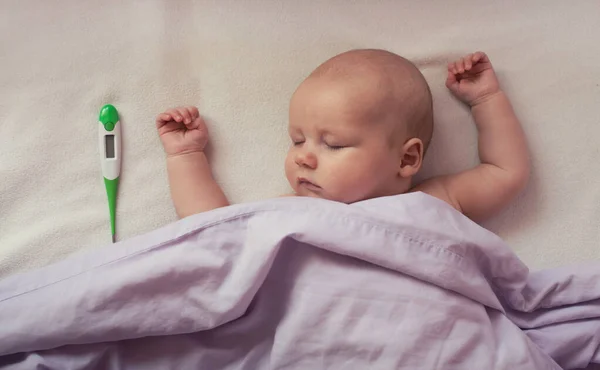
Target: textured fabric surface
point(301, 283)
point(239, 61)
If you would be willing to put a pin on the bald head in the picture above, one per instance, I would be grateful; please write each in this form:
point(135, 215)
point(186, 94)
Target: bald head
point(395, 86)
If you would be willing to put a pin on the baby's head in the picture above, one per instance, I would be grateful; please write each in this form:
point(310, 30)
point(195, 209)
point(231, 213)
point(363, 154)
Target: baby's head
point(360, 125)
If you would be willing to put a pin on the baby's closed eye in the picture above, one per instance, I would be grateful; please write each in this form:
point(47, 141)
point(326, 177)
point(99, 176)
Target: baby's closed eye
point(297, 142)
point(335, 143)
point(335, 147)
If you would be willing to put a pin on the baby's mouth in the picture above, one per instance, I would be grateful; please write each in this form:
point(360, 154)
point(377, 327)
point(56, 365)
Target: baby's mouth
point(307, 184)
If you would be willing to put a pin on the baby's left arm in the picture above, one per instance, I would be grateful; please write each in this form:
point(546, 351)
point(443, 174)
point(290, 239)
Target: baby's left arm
point(504, 170)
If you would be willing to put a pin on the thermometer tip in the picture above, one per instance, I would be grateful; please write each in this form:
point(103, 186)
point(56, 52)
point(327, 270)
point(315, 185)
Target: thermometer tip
point(113, 238)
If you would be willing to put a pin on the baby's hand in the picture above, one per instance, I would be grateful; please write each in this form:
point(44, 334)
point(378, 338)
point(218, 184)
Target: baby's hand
point(182, 130)
point(472, 78)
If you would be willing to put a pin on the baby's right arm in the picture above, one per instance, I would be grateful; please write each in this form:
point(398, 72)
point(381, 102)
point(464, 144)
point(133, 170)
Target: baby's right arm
point(184, 136)
point(504, 170)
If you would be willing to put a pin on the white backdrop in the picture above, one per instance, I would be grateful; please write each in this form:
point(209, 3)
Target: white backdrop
point(239, 61)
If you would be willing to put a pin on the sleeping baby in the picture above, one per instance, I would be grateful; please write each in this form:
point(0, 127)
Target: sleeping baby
point(360, 125)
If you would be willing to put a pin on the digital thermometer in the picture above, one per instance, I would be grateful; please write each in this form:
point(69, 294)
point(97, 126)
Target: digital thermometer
point(109, 135)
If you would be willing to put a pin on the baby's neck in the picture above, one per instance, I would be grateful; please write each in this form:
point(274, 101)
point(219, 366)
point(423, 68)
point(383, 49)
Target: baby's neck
point(400, 186)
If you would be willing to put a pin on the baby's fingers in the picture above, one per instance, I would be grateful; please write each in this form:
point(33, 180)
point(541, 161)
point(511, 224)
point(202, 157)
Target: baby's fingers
point(468, 62)
point(175, 115)
point(184, 114)
point(460, 65)
point(451, 80)
point(162, 119)
point(452, 67)
point(193, 112)
point(479, 57)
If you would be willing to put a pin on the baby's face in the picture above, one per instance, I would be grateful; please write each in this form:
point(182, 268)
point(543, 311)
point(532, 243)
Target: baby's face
point(340, 148)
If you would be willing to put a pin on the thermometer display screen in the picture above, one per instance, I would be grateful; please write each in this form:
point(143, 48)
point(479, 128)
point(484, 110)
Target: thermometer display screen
point(109, 144)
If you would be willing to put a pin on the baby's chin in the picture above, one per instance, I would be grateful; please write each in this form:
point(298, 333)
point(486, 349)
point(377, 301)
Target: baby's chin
point(302, 192)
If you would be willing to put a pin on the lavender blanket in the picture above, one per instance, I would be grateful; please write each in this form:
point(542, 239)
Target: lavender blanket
point(401, 282)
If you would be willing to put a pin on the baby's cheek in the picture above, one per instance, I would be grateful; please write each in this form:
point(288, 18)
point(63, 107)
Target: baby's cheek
point(289, 172)
point(353, 182)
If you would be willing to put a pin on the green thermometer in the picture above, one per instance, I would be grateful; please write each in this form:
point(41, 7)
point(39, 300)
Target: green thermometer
point(110, 157)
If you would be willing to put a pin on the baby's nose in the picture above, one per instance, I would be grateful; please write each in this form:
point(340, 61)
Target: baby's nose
point(306, 159)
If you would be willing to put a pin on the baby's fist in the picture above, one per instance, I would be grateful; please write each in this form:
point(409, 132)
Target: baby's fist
point(182, 130)
point(472, 78)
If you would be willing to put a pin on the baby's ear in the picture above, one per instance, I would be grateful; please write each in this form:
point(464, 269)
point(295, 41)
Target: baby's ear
point(411, 158)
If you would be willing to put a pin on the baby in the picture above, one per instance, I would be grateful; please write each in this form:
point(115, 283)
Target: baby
point(360, 125)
